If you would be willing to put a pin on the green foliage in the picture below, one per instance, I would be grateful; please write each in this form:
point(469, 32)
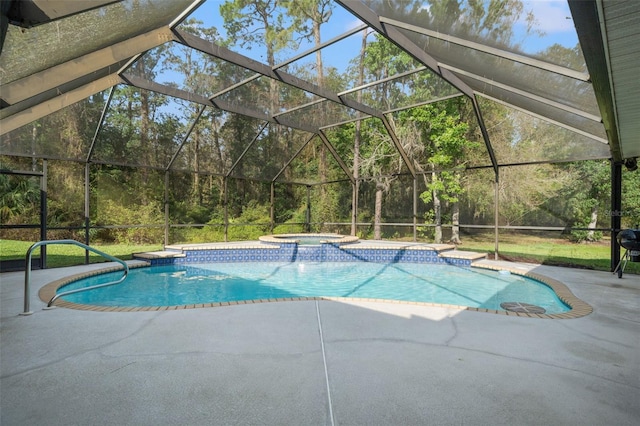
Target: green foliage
point(254, 221)
point(585, 197)
point(19, 198)
point(253, 212)
point(579, 236)
point(210, 233)
point(113, 212)
point(427, 232)
point(630, 214)
point(286, 228)
point(258, 22)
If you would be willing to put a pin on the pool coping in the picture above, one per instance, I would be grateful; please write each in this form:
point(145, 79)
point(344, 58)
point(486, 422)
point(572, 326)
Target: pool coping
point(579, 308)
point(336, 239)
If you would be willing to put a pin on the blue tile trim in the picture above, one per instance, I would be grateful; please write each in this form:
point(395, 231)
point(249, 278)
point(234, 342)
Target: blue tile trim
point(321, 253)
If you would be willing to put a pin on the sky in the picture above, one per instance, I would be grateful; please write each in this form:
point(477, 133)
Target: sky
point(340, 22)
point(553, 17)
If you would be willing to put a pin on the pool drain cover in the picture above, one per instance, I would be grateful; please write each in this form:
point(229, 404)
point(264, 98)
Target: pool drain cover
point(522, 307)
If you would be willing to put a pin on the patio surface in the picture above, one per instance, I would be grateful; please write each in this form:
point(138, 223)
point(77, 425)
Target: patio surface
point(322, 362)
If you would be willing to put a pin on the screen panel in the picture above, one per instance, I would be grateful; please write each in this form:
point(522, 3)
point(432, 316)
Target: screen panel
point(29, 51)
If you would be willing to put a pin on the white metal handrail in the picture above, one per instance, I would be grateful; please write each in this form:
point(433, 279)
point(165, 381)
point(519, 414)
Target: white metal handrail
point(27, 271)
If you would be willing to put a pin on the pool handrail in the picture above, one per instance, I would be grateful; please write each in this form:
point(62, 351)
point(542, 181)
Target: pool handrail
point(27, 271)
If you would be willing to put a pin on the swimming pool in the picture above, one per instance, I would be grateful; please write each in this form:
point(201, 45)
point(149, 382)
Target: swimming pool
point(177, 285)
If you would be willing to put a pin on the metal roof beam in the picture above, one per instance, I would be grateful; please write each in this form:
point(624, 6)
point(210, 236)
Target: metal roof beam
point(544, 118)
point(321, 46)
point(223, 53)
point(304, 145)
point(235, 86)
point(299, 107)
point(336, 156)
point(59, 90)
point(185, 13)
point(202, 100)
point(59, 75)
point(30, 13)
point(246, 149)
point(537, 63)
point(398, 145)
point(485, 136)
point(38, 111)
point(419, 104)
point(186, 137)
point(526, 94)
point(340, 123)
point(383, 80)
point(368, 16)
point(103, 115)
point(394, 35)
point(588, 26)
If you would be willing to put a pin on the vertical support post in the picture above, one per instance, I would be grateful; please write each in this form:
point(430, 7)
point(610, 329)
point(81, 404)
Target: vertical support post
point(415, 209)
point(308, 215)
point(273, 209)
point(225, 187)
point(87, 194)
point(496, 215)
point(43, 214)
point(616, 208)
point(166, 208)
point(354, 207)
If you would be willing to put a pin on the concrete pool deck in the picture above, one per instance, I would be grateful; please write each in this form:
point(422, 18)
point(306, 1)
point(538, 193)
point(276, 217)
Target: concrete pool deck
point(322, 362)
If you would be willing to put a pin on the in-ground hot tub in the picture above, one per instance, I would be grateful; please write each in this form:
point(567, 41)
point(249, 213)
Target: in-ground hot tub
point(308, 239)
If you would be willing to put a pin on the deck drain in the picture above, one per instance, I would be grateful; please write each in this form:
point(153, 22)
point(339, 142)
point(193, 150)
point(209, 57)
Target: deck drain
point(522, 307)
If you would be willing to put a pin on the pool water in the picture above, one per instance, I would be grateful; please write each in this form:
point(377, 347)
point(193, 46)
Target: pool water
point(173, 285)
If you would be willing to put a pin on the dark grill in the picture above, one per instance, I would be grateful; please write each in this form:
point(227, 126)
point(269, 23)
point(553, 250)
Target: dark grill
point(630, 240)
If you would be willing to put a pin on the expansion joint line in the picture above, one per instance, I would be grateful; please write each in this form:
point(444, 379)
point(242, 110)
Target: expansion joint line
point(324, 361)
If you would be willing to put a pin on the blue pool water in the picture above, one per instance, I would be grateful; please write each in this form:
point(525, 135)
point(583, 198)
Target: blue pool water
point(173, 285)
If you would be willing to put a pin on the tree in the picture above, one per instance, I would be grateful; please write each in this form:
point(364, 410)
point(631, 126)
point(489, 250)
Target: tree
point(630, 199)
point(436, 139)
point(251, 23)
point(200, 75)
point(587, 196)
point(317, 13)
point(380, 159)
point(19, 197)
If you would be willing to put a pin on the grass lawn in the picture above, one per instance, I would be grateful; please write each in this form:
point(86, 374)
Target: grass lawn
point(550, 251)
point(69, 255)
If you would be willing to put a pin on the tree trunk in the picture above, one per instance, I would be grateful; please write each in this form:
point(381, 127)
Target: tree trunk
point(593, 223)
point(437, 211)
point(455, 220)
point(356, 176)
point(357, 139)
point(196, 175)
point(34, 140)
point(322, 161)
point(216, 143)
point(145, 148)
point(377, 217)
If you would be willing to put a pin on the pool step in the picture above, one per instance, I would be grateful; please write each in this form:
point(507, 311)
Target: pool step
point(165, 254)
point(461, 254)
